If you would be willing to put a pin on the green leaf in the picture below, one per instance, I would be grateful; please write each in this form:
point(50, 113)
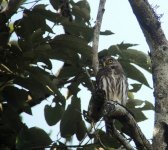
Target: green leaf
point(107, 32)
point(137, 106)
point(39, 137)
point(130, 55)
point(36, 89)
point(81, 130)
point(73, 43)
point(37, 36)
point(14, 96)
point(81, 9)
point(10, 118)
point(133, 73)
point(43, 77)
point(138, 114)
point(33, 137)
point(68, 71)
point(70, 119)
point(125, 45)
point(53, 114)
point(137, 57)
point(148, 106)
point(73, 89)
point(107, 140)
point(134, 102)
point(136, 87)
point(55, 4)
point(80, 30)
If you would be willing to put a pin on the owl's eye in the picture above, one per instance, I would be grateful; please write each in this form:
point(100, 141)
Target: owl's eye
point(110, 61)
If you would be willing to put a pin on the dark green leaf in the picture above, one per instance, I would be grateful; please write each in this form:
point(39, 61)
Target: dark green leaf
point(10, 118)
point(53, 114)
point(37, 36)
point(80, 30)
point(68, 71)
point(73, 89)
point(14, 96)
point(81, 130)
point(55, 4)
point(81, 9)
point(72, 42)
point(133, 73)
point(138, 114)
point(137, 57)
point(33, 137)
point(71, 118)
point(43, 77)
point(125, 45)
point(39, 137)
point(148, 106)
point(134, 102)
point(130, 55)
point(137, 106)
point(31, 21)
point(107, 32)
point(36, 89)
point(107, 140)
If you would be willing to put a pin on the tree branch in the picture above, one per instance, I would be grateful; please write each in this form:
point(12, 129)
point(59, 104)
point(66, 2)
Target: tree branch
point(120, 138)
point(158, 44)
point(95, 62)
point(113, 110)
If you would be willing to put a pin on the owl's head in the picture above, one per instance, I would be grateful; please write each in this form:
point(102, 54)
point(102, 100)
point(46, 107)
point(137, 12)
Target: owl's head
point(109, 62)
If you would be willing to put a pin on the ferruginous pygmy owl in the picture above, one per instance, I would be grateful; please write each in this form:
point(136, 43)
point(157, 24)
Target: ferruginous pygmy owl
point(111, 85)
point(112, 80)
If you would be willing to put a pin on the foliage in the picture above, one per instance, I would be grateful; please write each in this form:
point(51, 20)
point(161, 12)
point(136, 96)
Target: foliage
point(26, 77)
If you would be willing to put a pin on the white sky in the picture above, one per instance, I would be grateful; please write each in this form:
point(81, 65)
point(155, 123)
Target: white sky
point(118, 18)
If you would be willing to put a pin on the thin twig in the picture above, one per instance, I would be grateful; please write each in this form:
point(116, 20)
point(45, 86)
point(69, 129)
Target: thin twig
point(95, 62)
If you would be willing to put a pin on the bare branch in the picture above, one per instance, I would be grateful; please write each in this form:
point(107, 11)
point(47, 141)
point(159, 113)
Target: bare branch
point(113, 110)
point(95, 62)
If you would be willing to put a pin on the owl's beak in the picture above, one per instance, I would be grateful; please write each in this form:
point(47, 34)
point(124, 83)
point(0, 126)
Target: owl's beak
point(104, 64)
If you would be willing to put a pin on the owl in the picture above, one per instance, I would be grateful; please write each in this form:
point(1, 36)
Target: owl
point(112, 80)
point(111, 84)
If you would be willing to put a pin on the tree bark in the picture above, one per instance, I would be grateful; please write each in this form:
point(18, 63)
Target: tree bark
point(95, 61)
point(158, 44)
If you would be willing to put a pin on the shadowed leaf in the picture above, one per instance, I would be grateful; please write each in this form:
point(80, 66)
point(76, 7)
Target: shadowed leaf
point(53, 114)
point(70, 118)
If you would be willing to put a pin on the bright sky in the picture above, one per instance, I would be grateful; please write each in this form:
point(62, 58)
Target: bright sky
point(118, 18)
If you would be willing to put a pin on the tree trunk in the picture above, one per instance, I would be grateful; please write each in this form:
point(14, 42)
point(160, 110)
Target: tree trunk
point(150, 25)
